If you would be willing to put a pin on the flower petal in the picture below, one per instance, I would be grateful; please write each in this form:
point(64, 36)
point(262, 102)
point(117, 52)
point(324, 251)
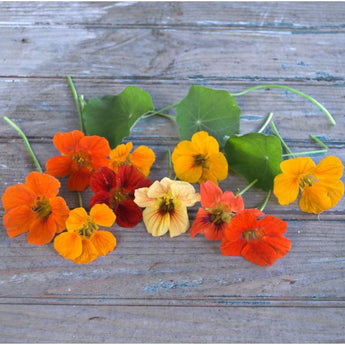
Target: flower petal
point(211, 194)
point(18, 219)
point(184, 192)
point(60, 212)
point(103, 215)
point(141, 197)
point(296, 167)
point(234, 203)
point(68, 245)
point(286, 188)
point(156, 223)
point(128, 214)
point(79, 180)
point(204, 143)
point(103, 241)
point(99, 149)
point(130, 178)
point(260, 253)
point(272, 226)
point(101, 197)
point(17, 195)
point(77, 219)
point(119, 155)
point(67, 142)
point(280, 244)
point(59, 166)
point(179, 222)
point(104, 179)
point(89, 253)
point(218, 168)
point(142, 158)
point(42, 231)
point(42, 184)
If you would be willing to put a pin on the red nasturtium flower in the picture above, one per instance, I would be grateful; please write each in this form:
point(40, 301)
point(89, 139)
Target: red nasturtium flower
point(259, 241)
point(36, 208)
point(81, 156)
point(117, 191)
point(83, 242)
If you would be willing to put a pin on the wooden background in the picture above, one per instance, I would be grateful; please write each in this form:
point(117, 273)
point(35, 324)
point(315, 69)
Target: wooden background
point(181, 289)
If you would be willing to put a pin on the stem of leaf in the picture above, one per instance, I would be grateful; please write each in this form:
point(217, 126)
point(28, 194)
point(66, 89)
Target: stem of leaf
point(251, 184)
point(265, 124)
point(275, 130)
point(27, 144)
point(80, 200)
point(169, 163)
point(319, 105)
point(76, 100)
point(160, 112)
point(266, 200)
point(311, 152)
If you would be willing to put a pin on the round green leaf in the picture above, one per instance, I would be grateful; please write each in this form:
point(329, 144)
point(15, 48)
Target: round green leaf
point(255, 156)
point(213, 111)
point(113, 116)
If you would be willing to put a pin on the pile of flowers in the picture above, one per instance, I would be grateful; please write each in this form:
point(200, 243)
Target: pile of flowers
point(211, 145)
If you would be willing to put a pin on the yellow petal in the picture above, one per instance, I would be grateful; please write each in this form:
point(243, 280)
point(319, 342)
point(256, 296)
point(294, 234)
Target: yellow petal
point(159, 188)
point(68, 245)
point(179, 222)
point(141, 198)
point(185, 169)
point(119, 155)
point(76, 219)
point(218, 168)
point(297, 167)
point(184, 192)
point(329, 168)
point(102, 215)
point(156, 223)
point(285, 188)
point(104, 241)
point(89, 253)
point(142, 158)
point(204, 143)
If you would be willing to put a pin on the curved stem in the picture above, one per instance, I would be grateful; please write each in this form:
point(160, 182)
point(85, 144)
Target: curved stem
point(265, 124)
point(266, 200)
point(160, 112)
point(76, 100)
point(324, 150)
point(251, 184)
point(80, 200)
point(311, 99)
point(275, 130)
point(27, 144)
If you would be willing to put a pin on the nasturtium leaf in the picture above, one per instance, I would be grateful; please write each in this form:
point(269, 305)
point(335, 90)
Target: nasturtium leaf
point(113, 116)
point(213, 111)
point(255, 156)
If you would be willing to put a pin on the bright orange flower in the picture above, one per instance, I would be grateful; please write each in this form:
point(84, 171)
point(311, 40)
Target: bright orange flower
point(81, 156)
point(259, 241)
point(166, 204)
point(320, 184)
point(83, 242)
point(36, 208)
point(142, 158)
point(199, 160)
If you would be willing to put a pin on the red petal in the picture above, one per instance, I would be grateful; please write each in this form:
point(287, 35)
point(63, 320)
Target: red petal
point(104, 179)
point(79, 180)
point(273, 225)
point(101, 197)
point(259, 253)
point(130, 178)
point(128, 214)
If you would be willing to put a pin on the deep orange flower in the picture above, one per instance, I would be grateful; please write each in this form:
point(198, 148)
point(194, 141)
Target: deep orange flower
point(36, 208)
point(81, 156)
point(83, 242)
point(320, 184)
point(199, 160)
point(259, 241)
point(142, 158)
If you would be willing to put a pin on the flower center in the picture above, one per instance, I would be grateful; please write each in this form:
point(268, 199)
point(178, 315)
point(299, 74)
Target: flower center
point(200, 160)
point(307, 181)
point(252, 234)
point(88, 228)
point(82, 159)
point(118, 196)
point(218, 216)
point(42, 207)
point(166, 205)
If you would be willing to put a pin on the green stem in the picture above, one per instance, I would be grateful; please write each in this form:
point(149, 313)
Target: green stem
point(319, 105)
point(80, 200)
point(311, 152)
point(38, 166)
point(265, 124)
point(160, 112)
point(275, 130)
point(76, 100)
point(169, 163)
point(319, 142)
point(266, 200)
point(251, 184)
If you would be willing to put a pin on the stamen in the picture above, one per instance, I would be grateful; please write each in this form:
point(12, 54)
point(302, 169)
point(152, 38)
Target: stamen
point(200, 160)
point(252, 234)
point(42, 207)
point(307, 181)
point(88, 228)
point(166, 205)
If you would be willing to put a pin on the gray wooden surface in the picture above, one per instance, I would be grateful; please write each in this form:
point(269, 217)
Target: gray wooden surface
point(181, 289)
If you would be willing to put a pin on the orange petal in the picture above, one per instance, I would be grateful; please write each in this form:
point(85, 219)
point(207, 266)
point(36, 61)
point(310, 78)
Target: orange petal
point(286, 188)
point(99, 149)
point(179, 222)
point(120, 153)
point(280, 244)
point(142, 158)
point(68, 245)
point(59, 166)
point(211, 194)
point(185, 169)
point(89, 253)
point(77, 219)
point(259, 253)
point(67, 142)
point(79, 180)
point(218, 168)
point(42, 184)
point(18, 219)
point(103, 215)
point(232, 246)
point(60, 212)
point(104, 242)
point(330, 167)
point(17, 195)
point(156, 223)
point(42, 231)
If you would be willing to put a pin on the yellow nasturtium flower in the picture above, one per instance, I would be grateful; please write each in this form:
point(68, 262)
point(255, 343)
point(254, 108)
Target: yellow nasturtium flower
point(320, 184)
point(199, 160)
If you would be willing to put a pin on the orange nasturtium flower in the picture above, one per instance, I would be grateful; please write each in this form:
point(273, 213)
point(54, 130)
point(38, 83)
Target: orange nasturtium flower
point(81, 156)
point(166, 203)
point(320, 184)
point(83, 242)
point(142, 158)
point(199, 159)
point(259, 241)
point(36, 208)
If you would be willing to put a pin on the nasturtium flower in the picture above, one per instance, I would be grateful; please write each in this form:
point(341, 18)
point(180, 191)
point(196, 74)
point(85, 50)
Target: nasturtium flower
point(142, 158)
point(84, 242)
point(217, 212)
point(199, 160)
point(117, 191)
point(81, 156)
point(260, 241)
point(166, 203)
point(320, 185)
point(34, 207)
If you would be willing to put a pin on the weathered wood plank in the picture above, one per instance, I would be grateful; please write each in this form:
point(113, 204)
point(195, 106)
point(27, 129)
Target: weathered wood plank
point(38, 323)
point(44, 98)
point(240, 54)
point(284, 15)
